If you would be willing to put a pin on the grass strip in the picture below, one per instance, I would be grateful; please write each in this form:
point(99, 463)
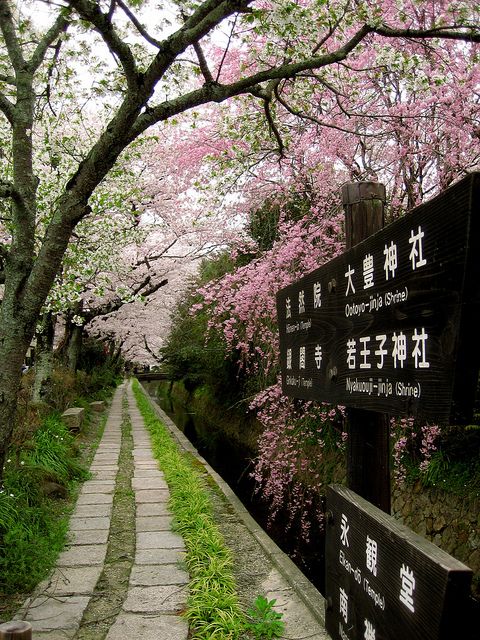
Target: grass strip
point(213, 609)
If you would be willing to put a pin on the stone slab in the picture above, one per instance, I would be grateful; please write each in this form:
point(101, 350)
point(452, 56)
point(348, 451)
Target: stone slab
point(95, 498)
point(104, 475)
point(98, 486)
point(73, 418)
point(84, 524)
point(299, 623)
point(59, 634)
point(95, 536)
point(143, 452)
point(159, 599)
point(158, 556)
point(151, 495)
point(97, 405)
point(153, 509)
point(156, 575)
point(153, 523)
point(103, 467)
point(45, 614)
point(147, 473)
point(92, 510)
point(134, 626)
point(145, 464)
point(159, 540)
point(105, 460)
point(83, 554)
point(149, 483)
point(75, 581)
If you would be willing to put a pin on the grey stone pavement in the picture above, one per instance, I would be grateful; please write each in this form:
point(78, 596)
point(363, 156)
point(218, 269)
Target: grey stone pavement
point(158, 584)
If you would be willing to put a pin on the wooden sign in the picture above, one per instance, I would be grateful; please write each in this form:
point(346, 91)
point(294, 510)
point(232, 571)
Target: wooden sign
point(392, 324)
point(383, 582)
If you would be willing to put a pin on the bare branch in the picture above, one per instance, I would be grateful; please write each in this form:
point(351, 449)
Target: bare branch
point(149, 350)
point(203, 63)
point(145, 288)
point(466, 33)
point(331, 31)
point(249, 84)
point(60, 26)
point(7, 108)
point(7, 26)
point(220, 66)
point(140, 28)
point(7, 190)
point(7, 79)
point(91, 11)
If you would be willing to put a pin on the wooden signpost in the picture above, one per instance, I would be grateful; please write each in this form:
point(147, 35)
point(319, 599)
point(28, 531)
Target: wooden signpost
point(16, 630)
point(384, 582)
point(389, 327)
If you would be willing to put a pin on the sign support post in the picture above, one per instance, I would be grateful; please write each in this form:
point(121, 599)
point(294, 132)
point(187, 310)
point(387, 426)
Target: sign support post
point(368, 444)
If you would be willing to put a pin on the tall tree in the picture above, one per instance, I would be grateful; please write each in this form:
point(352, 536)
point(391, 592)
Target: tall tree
point(148, 85)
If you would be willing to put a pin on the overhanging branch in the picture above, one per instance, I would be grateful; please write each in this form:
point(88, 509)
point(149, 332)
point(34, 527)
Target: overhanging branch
point(465, 33)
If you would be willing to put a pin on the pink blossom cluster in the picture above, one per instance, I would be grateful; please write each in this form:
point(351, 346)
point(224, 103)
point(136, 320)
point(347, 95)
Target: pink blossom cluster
point(288, 470)
point(412, 439)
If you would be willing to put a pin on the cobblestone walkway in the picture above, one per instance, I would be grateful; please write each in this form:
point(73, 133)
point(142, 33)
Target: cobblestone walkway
point(157, 585)
point(68, 605)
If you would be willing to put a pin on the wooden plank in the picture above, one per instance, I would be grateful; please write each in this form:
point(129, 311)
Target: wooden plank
point(368, 442)
point(402, 338)
point(385, 582)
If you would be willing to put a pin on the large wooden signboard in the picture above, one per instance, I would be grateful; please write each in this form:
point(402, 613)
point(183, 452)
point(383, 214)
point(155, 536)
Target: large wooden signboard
point(392, 324)
point(383, 582)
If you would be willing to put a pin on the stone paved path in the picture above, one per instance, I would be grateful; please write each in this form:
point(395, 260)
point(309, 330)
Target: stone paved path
point(157, 587)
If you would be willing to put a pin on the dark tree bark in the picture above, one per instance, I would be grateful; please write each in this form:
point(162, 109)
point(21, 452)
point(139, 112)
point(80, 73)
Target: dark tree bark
point(44, 358)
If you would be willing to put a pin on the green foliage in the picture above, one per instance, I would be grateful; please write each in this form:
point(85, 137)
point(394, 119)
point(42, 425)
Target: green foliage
point(213, 610)
point(51, 452)
point(265, 622)
point(215, 267)
point(194, 354)
point(455, 466)
point(264, 221)
point(454, 476)
point(33, 526)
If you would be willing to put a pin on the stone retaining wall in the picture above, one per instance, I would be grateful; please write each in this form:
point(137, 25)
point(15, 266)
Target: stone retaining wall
point(450, 521)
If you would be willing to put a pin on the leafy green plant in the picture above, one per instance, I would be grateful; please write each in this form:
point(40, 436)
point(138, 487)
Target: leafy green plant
point(33, 526)
point(265, 623)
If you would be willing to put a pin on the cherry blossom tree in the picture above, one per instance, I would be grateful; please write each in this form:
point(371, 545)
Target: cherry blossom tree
point(405, 115)
point(150, 81)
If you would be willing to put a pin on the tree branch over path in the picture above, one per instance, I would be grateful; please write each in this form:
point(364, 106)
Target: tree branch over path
point(145, 288)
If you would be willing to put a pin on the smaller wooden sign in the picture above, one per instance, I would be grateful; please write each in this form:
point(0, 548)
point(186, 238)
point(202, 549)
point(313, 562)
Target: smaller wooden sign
point(384, 582)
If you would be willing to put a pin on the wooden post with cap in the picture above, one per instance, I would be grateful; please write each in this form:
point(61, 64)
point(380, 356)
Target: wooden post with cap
point(368, 445)
point(16, 630)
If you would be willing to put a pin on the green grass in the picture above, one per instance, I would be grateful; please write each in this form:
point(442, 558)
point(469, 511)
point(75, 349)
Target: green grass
point(213, 608)
point(33, 526)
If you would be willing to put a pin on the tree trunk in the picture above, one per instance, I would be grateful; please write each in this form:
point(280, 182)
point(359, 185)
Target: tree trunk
point(14, 342)
point(44, 359)
point(74, 346)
